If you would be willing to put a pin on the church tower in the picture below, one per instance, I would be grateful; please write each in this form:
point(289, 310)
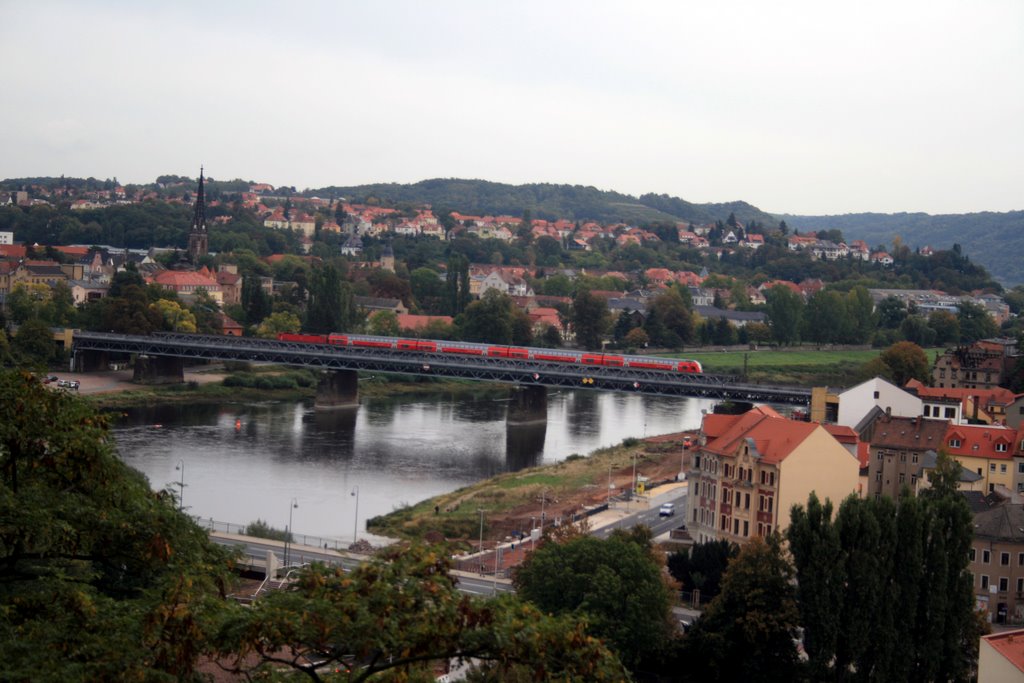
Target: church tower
point(198, 239)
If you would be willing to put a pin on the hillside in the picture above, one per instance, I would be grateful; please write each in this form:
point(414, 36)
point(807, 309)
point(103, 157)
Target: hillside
point(543, 200)
point(995, 240)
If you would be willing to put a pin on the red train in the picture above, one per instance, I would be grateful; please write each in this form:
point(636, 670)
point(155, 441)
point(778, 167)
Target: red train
point(492, 351)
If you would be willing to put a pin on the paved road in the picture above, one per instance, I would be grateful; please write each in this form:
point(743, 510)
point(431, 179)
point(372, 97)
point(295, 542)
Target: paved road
point(649, 516)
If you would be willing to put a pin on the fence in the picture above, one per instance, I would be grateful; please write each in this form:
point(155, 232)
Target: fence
point(211, 524)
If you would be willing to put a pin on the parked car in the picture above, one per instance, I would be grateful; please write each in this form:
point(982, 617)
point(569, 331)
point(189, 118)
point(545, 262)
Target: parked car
point(667, 510)
point(73, 384)
point(62, 383)
point(51, 378)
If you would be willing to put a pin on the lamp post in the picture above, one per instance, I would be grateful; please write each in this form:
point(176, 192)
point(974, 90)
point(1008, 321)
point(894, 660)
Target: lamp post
point(632, 485)
point(533, 524)
point(181, 497)
point(609, 485)
point(355, 522)
point(294, 503)
point(543, 500)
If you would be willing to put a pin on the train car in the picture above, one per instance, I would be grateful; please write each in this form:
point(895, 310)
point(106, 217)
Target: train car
point(302, 338)
point(461, 348)
point(513, 352)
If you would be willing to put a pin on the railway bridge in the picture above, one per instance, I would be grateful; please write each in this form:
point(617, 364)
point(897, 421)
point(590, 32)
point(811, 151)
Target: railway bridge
point(160, 356)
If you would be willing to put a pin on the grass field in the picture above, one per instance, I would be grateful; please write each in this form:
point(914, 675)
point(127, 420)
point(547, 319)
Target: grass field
point(808, 366)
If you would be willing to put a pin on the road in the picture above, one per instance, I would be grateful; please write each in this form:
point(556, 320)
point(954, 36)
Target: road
point(649, 517)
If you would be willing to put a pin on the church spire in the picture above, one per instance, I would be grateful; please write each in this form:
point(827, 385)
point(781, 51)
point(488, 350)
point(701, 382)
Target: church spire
point(198, 240)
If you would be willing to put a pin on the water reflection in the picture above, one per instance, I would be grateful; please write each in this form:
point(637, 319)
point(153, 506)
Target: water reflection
point(246, 461)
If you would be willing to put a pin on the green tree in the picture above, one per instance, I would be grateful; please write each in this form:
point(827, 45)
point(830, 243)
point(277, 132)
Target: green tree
point(589, 319)
point(100, 578)
point(946, 326)
point(615, 584)
point(402, 614)
point(428, 289)
point(975, 323)
point(457, 284)
point(746, 633)
point(331, 304)
point(817, 557)
point(276, 323)
point(175, 317)
point(906, 360)
point(383, 323)
point(702, 566)
point(675, 314)
point(489, 319)
point(61, 309)
point(33, 343)
point(27, 301)
point(785, 312)
point(255, 301)
point(860, 309)
point(891, 312)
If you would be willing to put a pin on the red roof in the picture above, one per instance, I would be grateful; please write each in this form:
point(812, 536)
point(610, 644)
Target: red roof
point(73, 251)
point(13, 250)
point(979, 441)
point(182, 278)
point(408, 321)
point(775, 437)
point(1010, 644)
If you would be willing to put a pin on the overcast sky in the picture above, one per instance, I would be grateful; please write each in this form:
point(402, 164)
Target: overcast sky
point(797, 107)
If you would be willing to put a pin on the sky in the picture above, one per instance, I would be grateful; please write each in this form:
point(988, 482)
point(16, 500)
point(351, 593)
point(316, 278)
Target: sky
point(799, 107)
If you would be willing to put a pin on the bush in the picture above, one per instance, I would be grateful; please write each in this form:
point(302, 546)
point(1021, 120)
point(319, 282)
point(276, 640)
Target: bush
point(630, 441)
point(574, 457)
point(261, 529)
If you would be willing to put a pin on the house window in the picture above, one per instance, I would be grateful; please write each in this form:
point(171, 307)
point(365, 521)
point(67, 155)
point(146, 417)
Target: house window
point(1000, 448)
point(1004, 584)
point(725, 523)
point(903, 477)
point(1002, 468)
point(878, 475)
point(880, 455)
point(1020, 585)
point(991, 467)
point(986, 555)
point(1020, 465)
point(1020, 559)
point(771, 479)
point(746, 501)
point(736, 527)
point(984, 582)
point(950, 412)
point(1004, 559)
point(737, 499)
point(972, 553)
point(746, 528)
point(954, 443)
point(913, 479)
point(876, 394)
point(913, 458)
point(903, 457)
point(927, 411)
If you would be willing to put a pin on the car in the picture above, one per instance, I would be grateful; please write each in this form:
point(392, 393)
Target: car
point(73, 384)
point(667, 510)
point(51, 378)
point(62, 383)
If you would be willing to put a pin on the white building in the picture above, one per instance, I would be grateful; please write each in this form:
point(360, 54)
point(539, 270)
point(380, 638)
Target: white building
point(858, 401)
point(6, 238)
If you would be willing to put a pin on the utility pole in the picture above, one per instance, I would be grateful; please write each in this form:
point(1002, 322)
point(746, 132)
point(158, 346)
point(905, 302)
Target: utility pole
point(481, 511)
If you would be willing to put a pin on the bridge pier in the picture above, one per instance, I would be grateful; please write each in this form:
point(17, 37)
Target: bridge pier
point(159, 370)
point(90, 361)
point(338, 389)
point(529, 405)
point(524, 445)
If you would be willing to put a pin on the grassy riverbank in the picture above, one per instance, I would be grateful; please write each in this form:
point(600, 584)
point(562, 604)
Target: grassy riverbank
point(510, 500)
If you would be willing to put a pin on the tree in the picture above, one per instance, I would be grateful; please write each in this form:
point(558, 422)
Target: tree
point(331, 304)
point(255, 301)
point(975, 323)
point(906, 360)
point(403, 614)
point(589, 319)
point(860, 309)
point(747, 632)
point(276, 323)
point(614, 583)
point(383, 323)
point(637, 338)
point(676, 317)
point(428, 289)
point(785, 311)
point(817, 558)
point(701, 567)
point(946, 326)
point(489, 319)
point(891, 312)
point(27, 301)
point(175, 318)
point(457, 284)
point(33, 343)
point(61, 309)
point(93, 564)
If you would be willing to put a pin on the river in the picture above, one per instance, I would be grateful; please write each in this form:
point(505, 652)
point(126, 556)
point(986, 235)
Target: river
point(248, 461)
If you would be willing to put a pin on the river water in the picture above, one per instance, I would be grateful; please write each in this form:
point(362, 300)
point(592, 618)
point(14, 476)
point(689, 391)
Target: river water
point(248, 461)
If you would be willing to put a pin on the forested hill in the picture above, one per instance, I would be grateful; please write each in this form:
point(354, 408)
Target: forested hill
point(995, 240)
point(543, 200)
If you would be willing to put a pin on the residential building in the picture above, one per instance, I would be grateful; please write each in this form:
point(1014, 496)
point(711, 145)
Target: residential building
point(189, 283)
point(986, 449)
point(997, 560)
point(982, 365)
point(856, 402)
point(897, 448)
point(752, 468)
point(1001, 657)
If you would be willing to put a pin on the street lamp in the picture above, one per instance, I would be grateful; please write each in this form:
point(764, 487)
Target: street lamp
point(181, 498)
point(355, 522)
point(632, 485)
point(294, 503)
point(543, 499)
point(609, 485)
